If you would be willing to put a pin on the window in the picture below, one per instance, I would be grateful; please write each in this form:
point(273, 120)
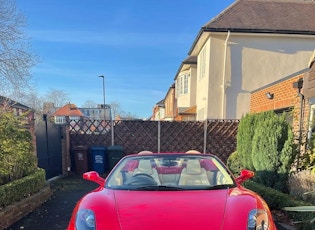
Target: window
point(202, 70)
point(311, 122)
point(288, 114)
point(182, 84)
point(60, 119)
point(185, 86)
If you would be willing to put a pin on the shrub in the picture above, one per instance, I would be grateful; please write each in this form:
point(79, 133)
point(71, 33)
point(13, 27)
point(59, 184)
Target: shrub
point(277, 200)
point(245, 133)
point(272, 151)
point(302, 185)
point(308, 159)
point(234, 163)
point(16, 149)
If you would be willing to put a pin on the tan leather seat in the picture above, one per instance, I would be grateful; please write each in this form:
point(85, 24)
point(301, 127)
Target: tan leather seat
point(193, 174)
point(146, 167)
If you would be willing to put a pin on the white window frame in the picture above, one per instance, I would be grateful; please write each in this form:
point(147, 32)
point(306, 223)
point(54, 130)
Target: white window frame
point(312, 114)
point(202, 70)
point(60, 119)
point(74, 118)
point(185, 85)
point(182, 84)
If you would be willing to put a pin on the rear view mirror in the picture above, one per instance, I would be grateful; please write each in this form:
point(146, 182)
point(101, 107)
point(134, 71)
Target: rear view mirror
point(95, 177)
point(245, 175)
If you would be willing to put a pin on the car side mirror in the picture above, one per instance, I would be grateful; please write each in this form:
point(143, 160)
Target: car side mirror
point(95, 177)
point(245, 175)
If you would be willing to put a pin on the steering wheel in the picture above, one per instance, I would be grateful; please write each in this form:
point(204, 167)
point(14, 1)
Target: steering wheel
point(141, 179)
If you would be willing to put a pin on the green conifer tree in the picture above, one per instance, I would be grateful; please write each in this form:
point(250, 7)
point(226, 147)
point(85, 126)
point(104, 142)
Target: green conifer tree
point(273, 150)
point(245, 135)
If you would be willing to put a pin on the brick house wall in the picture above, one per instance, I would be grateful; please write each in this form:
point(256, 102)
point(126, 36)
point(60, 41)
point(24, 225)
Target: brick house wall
point(285, 98)
point(170, 104)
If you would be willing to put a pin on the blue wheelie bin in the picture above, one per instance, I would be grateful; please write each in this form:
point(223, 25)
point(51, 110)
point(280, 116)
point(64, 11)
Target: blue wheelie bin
point(98, 159)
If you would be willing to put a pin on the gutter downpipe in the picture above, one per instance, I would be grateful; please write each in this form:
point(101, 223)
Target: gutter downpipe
point(223, 75)
point(300, 128)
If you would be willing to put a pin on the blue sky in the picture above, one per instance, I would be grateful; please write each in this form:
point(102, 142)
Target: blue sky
point(138, 45)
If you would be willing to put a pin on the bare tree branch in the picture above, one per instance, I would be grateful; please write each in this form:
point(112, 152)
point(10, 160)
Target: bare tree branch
point(58, 97)
point(16, 58)
point(89, 104)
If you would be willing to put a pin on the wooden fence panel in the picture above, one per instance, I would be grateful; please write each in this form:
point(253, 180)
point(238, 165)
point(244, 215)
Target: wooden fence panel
point(136, 136)
point(181, 136)
point(221, 137)
point(214, 136)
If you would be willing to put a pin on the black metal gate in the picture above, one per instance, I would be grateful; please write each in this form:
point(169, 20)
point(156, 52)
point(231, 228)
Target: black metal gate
point(49, 151)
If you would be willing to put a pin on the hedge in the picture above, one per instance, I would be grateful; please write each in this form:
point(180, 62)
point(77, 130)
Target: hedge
point(21, 188)
point(277, 200)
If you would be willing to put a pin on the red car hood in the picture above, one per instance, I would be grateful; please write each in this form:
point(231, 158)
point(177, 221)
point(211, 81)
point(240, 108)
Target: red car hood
point(170, 210)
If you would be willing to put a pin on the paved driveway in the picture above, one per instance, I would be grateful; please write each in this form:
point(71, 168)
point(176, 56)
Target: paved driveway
point(56, 212)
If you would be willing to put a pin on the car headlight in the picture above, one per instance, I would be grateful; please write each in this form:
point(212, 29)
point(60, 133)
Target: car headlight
point(85, 220)
point(257, 220)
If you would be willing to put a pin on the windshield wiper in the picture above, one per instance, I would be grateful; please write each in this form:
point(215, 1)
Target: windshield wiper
point(220, 186)
point(158, 188)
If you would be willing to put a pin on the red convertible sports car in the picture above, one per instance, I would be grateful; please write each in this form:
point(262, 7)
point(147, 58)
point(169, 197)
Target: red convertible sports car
point(171, 191)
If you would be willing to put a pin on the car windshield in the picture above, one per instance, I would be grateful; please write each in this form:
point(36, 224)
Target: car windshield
point(170, 172)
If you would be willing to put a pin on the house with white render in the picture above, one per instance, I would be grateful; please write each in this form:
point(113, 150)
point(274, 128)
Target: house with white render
point(252, 43)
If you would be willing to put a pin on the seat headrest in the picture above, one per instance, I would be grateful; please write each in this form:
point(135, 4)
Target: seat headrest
point(193, 167)
point(144, 152)
point(145, 166)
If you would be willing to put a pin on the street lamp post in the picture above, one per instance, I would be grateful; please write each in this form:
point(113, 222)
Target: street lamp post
point(110, 110)
point(103, 96)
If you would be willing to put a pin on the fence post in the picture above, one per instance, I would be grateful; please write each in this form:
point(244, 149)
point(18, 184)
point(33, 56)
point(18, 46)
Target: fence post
point(205, 126)
point(112, 130)
point(67, 155)
point(159, 136)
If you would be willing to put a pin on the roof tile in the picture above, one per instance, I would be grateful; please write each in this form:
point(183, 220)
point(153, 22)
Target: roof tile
point(68, 110)
point(296, 16)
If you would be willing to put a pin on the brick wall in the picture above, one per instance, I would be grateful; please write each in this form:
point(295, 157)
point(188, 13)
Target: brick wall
point(284, 96)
